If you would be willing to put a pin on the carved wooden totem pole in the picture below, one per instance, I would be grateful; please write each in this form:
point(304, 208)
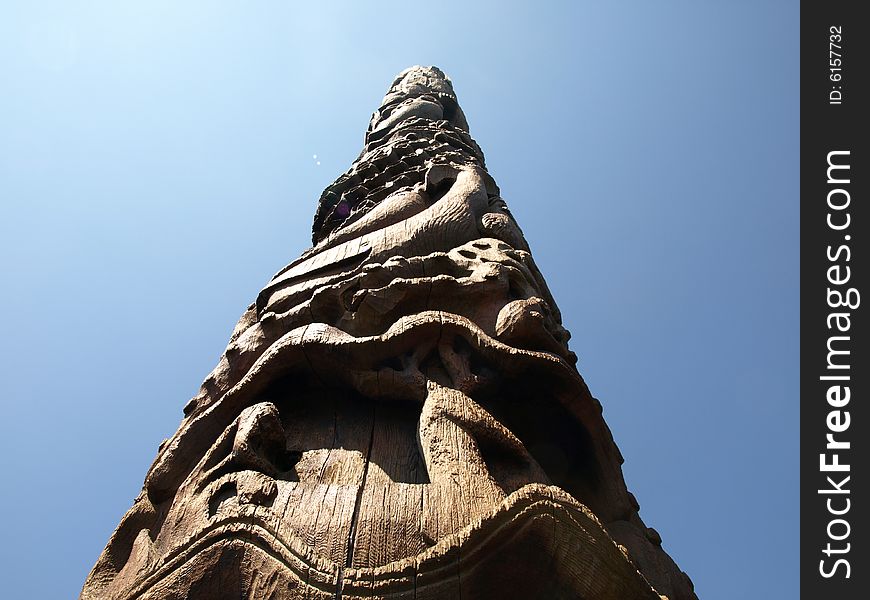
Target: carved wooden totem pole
point(397, 415)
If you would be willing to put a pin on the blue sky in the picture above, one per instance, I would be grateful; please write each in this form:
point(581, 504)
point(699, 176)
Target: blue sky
point(156, 168)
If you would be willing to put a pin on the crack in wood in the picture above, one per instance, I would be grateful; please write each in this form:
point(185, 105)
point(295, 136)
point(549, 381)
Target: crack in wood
point(356, 506)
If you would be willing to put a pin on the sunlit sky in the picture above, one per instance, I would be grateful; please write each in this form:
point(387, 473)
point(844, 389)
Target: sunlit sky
point(160, 160)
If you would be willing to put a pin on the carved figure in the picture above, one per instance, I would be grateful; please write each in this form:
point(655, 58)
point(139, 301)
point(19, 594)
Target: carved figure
point(397, 415)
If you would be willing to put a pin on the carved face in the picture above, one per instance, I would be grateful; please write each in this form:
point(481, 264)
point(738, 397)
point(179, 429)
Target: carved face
point(397, 415)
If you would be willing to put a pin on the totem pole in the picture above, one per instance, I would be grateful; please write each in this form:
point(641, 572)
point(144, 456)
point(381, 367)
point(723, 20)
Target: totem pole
point(397, 415)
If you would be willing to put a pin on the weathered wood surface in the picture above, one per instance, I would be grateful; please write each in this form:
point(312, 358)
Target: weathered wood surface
point(397, 415)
